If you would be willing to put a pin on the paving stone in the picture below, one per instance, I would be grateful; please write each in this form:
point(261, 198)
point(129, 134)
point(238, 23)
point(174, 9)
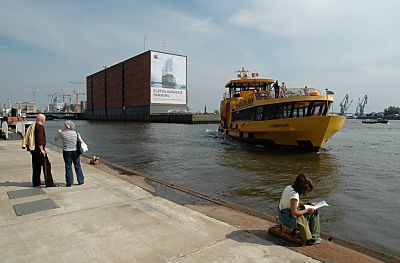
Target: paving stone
point(34, 206)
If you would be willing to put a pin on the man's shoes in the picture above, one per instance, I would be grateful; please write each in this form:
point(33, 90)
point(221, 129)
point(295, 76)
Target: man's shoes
point(310, 242)
point(67, 185)
point(52, 185)
point(313, 241)
point(317, 239)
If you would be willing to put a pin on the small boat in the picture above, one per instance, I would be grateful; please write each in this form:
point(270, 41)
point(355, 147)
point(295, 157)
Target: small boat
point(252, 111)
point(372, 121)
point(14, 127)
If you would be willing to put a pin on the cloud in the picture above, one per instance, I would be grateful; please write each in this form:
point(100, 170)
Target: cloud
point(43, 29)
point(345, 25)
point(285, 17)
point(80, 33)
point(327, 33)
point(192, 24)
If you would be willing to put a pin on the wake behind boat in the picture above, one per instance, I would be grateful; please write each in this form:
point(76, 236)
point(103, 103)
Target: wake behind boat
point(255, 111)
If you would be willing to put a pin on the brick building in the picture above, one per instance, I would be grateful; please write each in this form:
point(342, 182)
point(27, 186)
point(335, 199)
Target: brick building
point(150, 83)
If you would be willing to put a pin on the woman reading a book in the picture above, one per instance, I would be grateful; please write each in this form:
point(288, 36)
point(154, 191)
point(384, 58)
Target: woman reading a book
point(292, 212)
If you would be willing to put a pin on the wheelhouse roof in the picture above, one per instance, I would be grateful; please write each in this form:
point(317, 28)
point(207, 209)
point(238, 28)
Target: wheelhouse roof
point(249, 83)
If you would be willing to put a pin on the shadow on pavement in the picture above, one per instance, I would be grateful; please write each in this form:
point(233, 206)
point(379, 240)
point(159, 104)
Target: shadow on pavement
point(21, 184)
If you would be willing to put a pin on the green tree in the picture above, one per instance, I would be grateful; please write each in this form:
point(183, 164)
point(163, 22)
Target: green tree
point(391, 110)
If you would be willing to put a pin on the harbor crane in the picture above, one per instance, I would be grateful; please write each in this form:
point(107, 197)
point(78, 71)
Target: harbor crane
point(344, 105)
point(361, 106)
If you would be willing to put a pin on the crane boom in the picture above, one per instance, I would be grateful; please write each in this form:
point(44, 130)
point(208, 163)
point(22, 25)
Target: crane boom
point(344, 105)
point(361, 106)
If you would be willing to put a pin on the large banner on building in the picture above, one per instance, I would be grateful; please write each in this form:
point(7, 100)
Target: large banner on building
point(168, 78)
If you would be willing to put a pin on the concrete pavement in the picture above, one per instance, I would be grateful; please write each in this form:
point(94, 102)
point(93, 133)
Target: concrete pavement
point(111, 220)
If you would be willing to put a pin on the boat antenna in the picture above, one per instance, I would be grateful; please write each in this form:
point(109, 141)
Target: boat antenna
point(242, 74)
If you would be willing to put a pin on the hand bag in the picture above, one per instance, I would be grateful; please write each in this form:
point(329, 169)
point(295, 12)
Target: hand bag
point(81, 145)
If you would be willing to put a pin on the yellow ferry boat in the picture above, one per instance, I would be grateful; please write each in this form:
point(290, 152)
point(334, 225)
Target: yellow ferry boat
point(254, 111)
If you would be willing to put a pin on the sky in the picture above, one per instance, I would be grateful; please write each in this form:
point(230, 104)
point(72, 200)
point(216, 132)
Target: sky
point(348, 46)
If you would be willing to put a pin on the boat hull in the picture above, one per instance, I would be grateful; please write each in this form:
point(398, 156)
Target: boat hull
point(305, 134)
point(375, 121)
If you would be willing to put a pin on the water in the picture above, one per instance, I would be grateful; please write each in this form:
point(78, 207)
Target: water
point(356, 172)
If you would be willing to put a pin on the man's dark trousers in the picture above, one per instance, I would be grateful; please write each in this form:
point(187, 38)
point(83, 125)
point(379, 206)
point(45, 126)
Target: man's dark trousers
point(38, 160)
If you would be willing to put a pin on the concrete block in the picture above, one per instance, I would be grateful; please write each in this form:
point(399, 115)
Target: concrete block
point(34, 206)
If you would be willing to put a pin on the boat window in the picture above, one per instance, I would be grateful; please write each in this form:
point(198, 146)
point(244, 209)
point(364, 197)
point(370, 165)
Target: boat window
point(288, 110)
point(244, 115)
point(326, 110)
point(280, 109)
point(259, 113)
point(235, 116)
point(317, 108)
point(296, 109)
point(251, 113)
point(300, 109)
point(270, 111)
point(310, 109)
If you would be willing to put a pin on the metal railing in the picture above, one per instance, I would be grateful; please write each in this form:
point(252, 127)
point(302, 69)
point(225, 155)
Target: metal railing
point(283, 93)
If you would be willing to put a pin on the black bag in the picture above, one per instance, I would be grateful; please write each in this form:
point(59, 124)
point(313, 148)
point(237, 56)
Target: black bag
point(78, 144)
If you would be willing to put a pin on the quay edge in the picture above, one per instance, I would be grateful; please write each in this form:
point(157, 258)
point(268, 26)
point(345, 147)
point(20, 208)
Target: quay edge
point(184, 118)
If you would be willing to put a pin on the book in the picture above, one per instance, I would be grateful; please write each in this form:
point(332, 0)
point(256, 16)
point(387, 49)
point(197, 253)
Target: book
point(318, 205)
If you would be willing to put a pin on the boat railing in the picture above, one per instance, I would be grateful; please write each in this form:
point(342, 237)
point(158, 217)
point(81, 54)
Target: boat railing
point(295, 92)
point(283, 93)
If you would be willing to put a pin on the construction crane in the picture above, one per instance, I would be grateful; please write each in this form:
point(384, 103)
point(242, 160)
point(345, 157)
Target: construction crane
point(55, 96)
point(9, 101)
point(77, 82)
point(94, 63)
point(361, 106)
point(77, 93)
point(34, 94)
point(52, 95)
point(344, 105)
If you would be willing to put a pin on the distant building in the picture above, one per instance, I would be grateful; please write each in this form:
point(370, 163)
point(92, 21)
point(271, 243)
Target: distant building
point(56, 106)
point(27, 107)
point(83, 106)
point(150, 83)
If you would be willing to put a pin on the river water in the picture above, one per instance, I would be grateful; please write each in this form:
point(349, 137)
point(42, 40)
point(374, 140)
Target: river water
point(356, 172)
